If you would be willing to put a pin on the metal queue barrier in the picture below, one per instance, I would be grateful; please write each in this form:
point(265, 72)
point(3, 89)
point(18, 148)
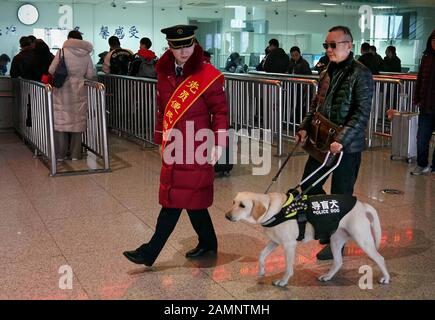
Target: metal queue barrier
point(131, 103)
point(34, 122)
point(255, 104)
point(34, 119)
point(95, 136)
point(273, 103)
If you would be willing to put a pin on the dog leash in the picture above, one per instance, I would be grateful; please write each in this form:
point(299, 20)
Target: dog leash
point(282, 167)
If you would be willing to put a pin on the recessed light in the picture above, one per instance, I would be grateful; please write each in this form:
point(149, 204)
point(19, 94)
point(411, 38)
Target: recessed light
point(384, 7)
point(135, 1)
point(314, 11)
point(328, 4)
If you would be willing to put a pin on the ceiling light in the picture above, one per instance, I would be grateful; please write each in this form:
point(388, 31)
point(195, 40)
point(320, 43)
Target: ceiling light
point(135, 1)
point(384, 7)
point(233, 7)
point(328, 4)
point(314, 11)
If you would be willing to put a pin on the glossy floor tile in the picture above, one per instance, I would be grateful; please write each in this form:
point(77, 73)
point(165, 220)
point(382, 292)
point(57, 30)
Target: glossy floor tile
point(84, 223)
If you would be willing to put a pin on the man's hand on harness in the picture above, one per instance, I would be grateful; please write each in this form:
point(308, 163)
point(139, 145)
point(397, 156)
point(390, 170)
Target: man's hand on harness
point(301, 136)
point(335, 147)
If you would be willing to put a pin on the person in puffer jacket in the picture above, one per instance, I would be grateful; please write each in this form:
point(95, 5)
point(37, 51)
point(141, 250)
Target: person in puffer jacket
point(424, 98)
point(345, 98)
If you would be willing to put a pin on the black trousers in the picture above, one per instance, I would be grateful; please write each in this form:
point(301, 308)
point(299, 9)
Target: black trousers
point(343, 178)
point(166, 223)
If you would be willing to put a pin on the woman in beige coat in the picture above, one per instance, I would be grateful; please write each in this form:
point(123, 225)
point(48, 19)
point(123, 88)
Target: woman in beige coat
point(70, 101)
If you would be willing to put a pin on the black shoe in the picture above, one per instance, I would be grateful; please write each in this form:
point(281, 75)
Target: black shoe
point(137, 258)
point(199, 252)
point(326, 253)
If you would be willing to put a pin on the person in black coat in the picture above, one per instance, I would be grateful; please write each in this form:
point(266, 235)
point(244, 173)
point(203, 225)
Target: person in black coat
point(391, 61)
point(21, 65)
point(368, 59)
point(298, 65)
point(277, 60)
point(42, 58)
point(345, 98)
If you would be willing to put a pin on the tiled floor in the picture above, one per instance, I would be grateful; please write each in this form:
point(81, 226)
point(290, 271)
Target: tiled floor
point(85, 222)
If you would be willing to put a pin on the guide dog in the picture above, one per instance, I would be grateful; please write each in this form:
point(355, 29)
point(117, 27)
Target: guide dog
point(358, 224)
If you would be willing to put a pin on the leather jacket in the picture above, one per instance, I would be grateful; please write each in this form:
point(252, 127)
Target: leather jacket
point(345, 97)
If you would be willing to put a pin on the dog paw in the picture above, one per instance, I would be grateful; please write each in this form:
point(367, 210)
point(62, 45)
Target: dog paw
point(384, 280)
point(324, 278)
point(280, 283)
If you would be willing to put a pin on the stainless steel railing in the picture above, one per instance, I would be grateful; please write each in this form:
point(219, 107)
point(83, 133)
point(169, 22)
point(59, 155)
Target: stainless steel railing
point(255, 104)
point(131, 103)
point(273, 103)
point(95, 136)
point(34, 121)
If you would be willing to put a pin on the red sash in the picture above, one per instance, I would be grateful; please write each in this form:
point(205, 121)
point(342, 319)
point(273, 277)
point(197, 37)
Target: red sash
point(185, 96)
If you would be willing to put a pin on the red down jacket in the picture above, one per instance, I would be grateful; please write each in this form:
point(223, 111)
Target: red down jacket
point(189, 186)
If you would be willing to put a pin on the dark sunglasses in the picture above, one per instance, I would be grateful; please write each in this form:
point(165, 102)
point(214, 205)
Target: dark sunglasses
point(332, 45)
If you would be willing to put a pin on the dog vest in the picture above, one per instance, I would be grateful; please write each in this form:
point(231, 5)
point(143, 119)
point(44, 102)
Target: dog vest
point(324, 212)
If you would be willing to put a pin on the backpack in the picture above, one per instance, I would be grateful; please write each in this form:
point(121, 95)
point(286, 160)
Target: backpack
point(119, 61)
point(141, 67)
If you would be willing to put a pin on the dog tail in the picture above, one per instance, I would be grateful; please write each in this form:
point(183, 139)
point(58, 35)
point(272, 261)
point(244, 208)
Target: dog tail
point(375, 224)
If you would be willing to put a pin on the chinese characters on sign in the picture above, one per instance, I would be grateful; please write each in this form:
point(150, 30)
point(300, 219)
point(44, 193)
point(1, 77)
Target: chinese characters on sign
point(325, 207)
point(10, 30)
point(119, 32)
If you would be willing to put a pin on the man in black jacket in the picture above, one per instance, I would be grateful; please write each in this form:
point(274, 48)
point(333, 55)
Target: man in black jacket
point(21, 65)
point(298, 65)
point(368, 59)
point(345, 98)
point(277, 60)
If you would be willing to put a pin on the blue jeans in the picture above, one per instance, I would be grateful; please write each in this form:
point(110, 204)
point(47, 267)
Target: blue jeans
point(426, 125)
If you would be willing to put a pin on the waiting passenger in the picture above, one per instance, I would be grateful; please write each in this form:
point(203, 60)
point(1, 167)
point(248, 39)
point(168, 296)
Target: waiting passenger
point(143, 64)
point(277, 60)
point(21, 65)
point(70, 101)
point(234, 64)
point(298, 65)
point(260, 66)
point(391, 61)
point(424, 98)
point(118, 59)
point(42, 58)
point(4, 60)
point(368, 59)
point(378, 58)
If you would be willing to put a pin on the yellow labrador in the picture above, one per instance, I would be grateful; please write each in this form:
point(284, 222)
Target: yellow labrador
point(358, 224)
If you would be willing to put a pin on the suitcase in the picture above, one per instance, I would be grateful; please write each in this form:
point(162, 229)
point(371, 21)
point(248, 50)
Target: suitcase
point(225, 164)
point(404, 136)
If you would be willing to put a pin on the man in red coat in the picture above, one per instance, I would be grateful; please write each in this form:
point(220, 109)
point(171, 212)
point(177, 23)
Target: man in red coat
point(190, 98)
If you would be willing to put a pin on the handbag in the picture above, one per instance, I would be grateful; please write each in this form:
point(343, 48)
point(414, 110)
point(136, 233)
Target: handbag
point(61, 72)
point(321, 133)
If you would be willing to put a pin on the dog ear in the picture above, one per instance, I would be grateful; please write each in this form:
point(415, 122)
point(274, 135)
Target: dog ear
point(258, 210)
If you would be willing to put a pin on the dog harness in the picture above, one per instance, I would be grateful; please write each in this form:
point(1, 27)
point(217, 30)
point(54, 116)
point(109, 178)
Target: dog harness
point(324, 212)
